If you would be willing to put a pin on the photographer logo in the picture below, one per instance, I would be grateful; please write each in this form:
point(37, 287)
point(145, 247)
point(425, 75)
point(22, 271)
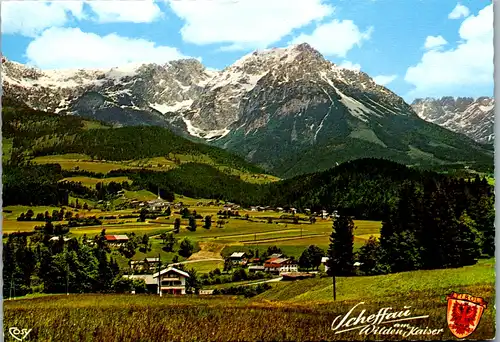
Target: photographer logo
point(19, 334)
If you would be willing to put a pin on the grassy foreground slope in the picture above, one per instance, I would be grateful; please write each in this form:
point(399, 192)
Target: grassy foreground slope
point(354, 288)
point(225, 318)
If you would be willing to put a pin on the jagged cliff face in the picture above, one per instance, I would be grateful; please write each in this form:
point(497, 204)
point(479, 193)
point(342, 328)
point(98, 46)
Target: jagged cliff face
point(466, 115)
point(287, 109)
point(130, 95)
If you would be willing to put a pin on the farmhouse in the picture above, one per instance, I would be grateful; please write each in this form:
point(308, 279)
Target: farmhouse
point(256, 268)
point(171, 280)
point(148, 264)
point(238, 258)
point(254, 261)
point(152, 263)
point(275, 256)
point(157, 204)
point(136, 264)
point(56, 238)
point(116, 239)
point(135, 203)
point(279, 265)
point(324, 261)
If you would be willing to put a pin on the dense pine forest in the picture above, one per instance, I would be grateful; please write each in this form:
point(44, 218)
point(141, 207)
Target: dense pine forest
point(365, 188)
point(435, 224)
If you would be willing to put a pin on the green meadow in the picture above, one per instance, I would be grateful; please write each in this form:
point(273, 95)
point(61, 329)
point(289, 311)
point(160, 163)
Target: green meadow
point(75, 162)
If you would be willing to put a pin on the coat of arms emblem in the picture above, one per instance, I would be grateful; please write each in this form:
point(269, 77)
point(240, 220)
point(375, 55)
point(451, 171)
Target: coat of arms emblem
point(464, 313)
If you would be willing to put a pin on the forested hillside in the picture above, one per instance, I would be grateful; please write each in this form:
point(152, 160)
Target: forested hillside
point(37, 133)
point(365, 188)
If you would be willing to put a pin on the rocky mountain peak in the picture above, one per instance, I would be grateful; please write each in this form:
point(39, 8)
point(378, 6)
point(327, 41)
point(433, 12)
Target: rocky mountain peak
point(305, 50)
point(272, 106)
point(207, 103)
point(466, 115)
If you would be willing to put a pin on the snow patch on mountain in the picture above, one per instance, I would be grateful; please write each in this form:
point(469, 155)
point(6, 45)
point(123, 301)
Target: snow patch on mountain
point(200, 133)
point(355, 107)
point(165, 108)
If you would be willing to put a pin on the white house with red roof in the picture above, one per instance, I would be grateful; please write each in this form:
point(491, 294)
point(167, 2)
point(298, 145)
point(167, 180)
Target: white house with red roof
point(279, 265)
point(171, 280)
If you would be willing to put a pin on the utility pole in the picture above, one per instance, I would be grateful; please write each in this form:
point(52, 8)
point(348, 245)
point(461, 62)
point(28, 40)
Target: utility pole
point(67, 278)
point(11, 285)
point(159, 276)
point(334, 284)
point(131, 274)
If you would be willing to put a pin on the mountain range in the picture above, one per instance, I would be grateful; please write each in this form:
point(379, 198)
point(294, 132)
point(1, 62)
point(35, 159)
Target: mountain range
point(289, 110)
point(466, 115)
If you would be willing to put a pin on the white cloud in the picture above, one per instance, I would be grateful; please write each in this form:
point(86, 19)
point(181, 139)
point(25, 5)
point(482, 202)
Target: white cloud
point(245, 24)
point(335, 38)
point(385, 79)
point(139, 11)
point(469, 65)
point(350, 65)
point(61, 48)
point(29, 18)
point(458, 12)
point(433, 42)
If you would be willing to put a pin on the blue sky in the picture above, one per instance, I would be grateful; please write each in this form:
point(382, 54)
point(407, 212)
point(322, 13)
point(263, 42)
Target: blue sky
point(416, 48)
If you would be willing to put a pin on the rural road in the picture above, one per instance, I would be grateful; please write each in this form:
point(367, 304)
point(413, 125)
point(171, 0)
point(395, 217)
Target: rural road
point(199, 260)
point(265, 281)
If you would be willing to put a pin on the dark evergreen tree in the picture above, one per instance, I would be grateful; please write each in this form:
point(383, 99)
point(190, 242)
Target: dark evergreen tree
point(186, 248)
point(401, 233)
point(177, 225)
point(305, 259)
point(340, 253)
point(311, 257)
point(369, 257)
point(142, 216)
point(169, 242)
point(208, 222)
point(192, 223)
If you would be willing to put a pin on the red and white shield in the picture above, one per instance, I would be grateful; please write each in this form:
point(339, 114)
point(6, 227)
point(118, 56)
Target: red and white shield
point(464, 313)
